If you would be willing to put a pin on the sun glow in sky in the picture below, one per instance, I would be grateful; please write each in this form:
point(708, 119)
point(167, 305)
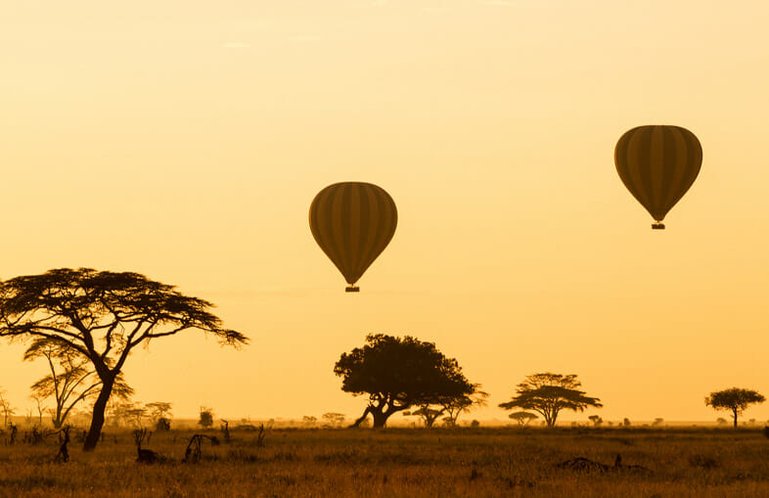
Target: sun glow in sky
point(186, 140)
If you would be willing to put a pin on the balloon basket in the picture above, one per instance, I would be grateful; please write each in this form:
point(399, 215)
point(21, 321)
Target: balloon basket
point(352, 288)
point(658, 226)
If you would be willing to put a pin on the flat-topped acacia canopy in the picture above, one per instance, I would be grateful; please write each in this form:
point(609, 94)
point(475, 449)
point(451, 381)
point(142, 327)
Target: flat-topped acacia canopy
point(103, 315)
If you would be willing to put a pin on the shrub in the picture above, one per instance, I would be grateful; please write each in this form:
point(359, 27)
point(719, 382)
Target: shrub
point(163, 424)
point(206, 417)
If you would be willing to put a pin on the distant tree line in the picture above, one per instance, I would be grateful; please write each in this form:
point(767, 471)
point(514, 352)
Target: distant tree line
point(84, 324)
point(397, 374)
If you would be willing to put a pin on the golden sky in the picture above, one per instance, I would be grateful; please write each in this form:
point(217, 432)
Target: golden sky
point(185, 141)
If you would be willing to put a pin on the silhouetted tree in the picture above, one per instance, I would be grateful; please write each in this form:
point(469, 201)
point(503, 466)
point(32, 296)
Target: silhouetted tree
point(427, 414)
point(206, 417)
point(548, 394)
point(125, 413)
point(119, 412)
point(136, 414)
point(71, 381)
point(103, 316)
point(734, 399)
point(333, 419)
point(596, 419)
point(40, 409)
point(523, 418)
point(163, 424)
point(451, 406)
point(454, 406)
point(159, 413)
point(397, 373)
point(6, 408)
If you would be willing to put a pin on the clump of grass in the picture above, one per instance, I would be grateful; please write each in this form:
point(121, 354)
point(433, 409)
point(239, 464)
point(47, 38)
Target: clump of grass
point(27, 483)
point(339, 457)
point(706, 462)
point(285, 456)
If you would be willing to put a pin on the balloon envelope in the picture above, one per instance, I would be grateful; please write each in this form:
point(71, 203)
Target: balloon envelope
point(353, 222)
point(658, 164)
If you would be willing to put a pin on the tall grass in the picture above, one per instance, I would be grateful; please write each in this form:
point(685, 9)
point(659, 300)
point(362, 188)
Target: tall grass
point(405, 462)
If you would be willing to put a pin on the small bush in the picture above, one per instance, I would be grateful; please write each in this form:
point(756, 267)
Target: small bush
point(206, 417)
point(706, 462)
point(163, 425)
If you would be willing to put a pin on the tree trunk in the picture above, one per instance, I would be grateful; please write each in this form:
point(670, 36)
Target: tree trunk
point(57, 419)
point(735, 418)
point(430, 418)
point(550, 419)
point(361, 418)
point(380, 418)
point(97, 419)
point(379, 415)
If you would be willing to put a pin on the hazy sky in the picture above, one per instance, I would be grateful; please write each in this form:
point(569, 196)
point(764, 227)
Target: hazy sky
point(185, 141)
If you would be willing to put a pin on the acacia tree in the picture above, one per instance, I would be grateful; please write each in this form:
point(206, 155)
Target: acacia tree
point(40, 409)
point(71, 381)
point(397, 373)
point(120, 412)
point(450, 406)
point(333, 419)
point(160, 414)
point(6, 408)
point(548, 394)
point(454, 407)
point(135, 415)
point(427, 414)
point(734, 399)
point(102, 315)
point(523, 418)
point(158, 410)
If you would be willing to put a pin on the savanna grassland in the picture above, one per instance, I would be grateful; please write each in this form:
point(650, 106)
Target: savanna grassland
point(405, 462)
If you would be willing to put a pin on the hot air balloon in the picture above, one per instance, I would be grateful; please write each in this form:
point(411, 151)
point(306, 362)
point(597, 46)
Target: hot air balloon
point(353, 222)
point(658, 164)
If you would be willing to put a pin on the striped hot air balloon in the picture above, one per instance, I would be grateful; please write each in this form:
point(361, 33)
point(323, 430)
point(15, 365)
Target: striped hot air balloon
point(658, 164)
point(353, 222)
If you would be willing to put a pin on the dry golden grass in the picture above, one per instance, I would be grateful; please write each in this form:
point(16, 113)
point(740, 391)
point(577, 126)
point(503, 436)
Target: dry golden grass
point(405, 462)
